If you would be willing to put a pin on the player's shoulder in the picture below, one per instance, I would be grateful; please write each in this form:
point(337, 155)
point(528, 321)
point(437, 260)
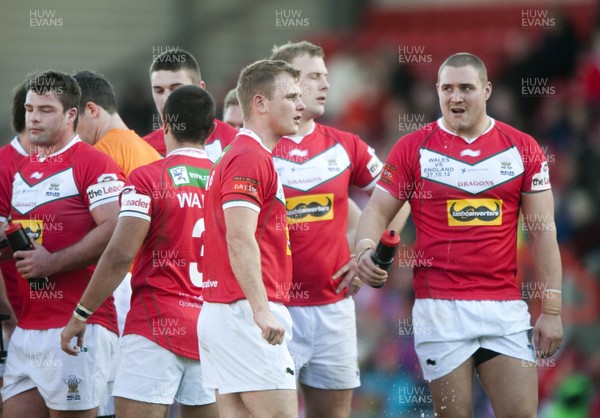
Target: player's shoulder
point(419, 137)
point(224, 130)
point(512, 132)
point(335, 134)
point(154, 135)
point(87, 153)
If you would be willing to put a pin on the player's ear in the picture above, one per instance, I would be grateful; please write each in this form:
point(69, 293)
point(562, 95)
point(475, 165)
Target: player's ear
point(259, 103)
point(71, 114)
point(166, 128)
point(93, 108)
point(212, 129)
point(488, 90)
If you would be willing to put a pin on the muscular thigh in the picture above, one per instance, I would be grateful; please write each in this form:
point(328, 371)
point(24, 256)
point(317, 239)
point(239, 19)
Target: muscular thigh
point(452, 394)
point(511, 386)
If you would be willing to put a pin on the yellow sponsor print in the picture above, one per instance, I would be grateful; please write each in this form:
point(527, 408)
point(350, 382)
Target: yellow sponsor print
point(288, 249)
point(33, 227)
point(309, 208)
point(474, 212)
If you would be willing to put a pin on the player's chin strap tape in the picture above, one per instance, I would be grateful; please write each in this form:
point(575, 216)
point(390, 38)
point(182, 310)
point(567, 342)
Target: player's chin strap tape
point(551, 302)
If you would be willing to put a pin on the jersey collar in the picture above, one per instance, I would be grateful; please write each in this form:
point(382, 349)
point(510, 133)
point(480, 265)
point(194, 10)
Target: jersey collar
point(189, 152)
point(72, 142)
point(253, 135)
point(440, 123)
point(16, 144)
point(298, 138)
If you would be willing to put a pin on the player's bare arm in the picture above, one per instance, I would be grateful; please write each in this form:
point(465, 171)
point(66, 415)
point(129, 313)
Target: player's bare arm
point(109, 273)
point(244, 255)
point(378, 214)
point(538, 213)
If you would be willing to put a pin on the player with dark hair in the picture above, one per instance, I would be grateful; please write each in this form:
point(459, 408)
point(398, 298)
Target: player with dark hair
point(65, 193)
point(11, 155)
point(101, 126)
point(161, 226)
point(169, 71)
point(475, 175)
point(244, 328)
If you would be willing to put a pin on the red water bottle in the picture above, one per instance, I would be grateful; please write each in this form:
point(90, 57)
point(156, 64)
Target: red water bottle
point(19, 241)
point(385, 251)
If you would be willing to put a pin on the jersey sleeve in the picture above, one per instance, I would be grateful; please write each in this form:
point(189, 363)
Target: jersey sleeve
point(136, 197)
point(536, 177)
point(6, 180)
point(243, 181)
point(367, 166)
point(99, 178)
point(397, 174)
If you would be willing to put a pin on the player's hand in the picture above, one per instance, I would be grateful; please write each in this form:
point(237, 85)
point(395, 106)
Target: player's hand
point(35, 263)
point(547, 335)
point(369, 272)
point(272, 331)
point(350, 280)
point(75, 328)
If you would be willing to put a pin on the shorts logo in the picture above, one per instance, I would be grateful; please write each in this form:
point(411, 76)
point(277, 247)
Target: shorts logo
point(310, 208)
point(72, 383)
point(474, 212)
point(179, 175)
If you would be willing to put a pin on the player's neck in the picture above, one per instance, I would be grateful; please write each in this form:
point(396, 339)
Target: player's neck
point(183, 145)
point(478, 129)
point(306, 127)
point(110, 122)
point(44, 150)
point(266, 135)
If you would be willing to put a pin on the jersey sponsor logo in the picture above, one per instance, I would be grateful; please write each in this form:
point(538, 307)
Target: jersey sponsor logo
point(135, 202)
point(280, 195)
point(29, 197)
point(541, 180)
point(104, 190)
point(179, 175)
point(506, 168)
point(185, 175)
point(107, 177)
point(297, 152)
point(474, 178)
point(387, 174)
point(310, 208)
point(474, 212)
point(374, 166)
point(36, 175)
point(307, 174)
point(247, 186)
point(53, 189)
point(33, 227)
point(470, 153)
